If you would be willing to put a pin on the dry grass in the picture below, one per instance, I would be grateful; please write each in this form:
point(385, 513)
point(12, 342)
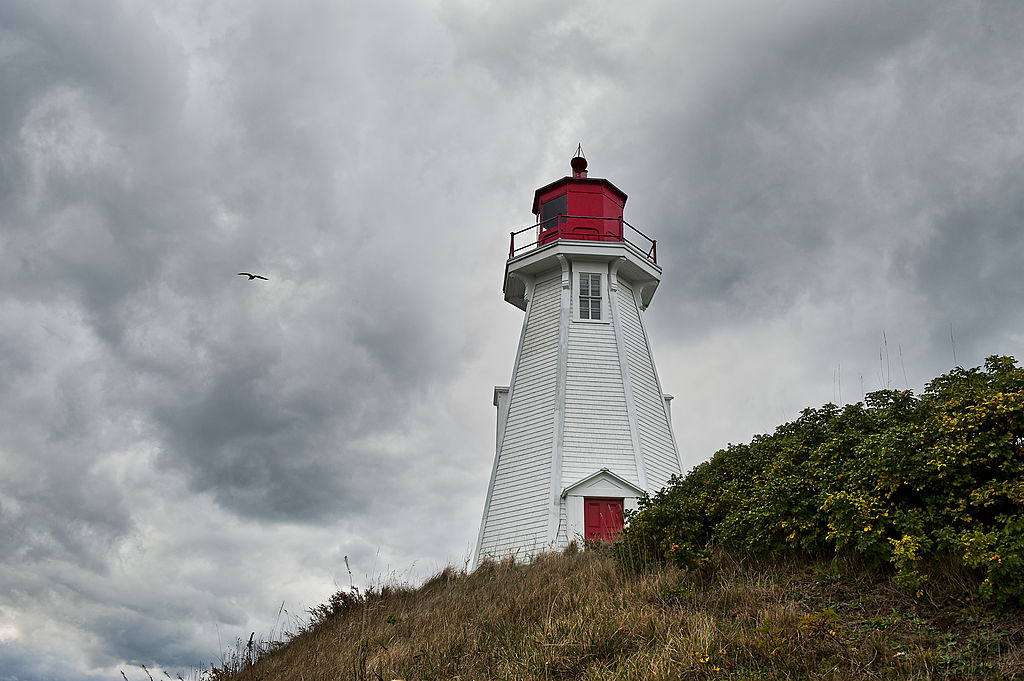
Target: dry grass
point(582, 616)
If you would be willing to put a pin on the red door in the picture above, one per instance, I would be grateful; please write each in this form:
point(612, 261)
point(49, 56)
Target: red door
point(602, 518)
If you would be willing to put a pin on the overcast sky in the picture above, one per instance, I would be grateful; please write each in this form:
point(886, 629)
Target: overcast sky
point(837, 191)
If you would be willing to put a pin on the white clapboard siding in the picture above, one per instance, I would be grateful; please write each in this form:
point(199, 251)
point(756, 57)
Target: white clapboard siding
point(516, 515)
point(597, 431)
point(656, 440)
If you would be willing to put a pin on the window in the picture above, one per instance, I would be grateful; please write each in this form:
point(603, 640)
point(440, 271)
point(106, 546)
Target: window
point(590, 295)
point(550, 210)
point(589, 302)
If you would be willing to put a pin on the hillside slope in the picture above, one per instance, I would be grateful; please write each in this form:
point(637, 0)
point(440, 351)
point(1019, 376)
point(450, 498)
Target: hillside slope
point(584, 616)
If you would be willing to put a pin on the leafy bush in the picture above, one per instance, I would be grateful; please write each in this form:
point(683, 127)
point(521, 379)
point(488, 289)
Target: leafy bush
point(897, 479)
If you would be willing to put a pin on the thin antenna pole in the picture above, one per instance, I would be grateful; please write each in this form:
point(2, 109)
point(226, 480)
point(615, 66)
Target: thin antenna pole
point(881, 374)
point(906, 381)
point(952, 342)
point(839, 373)
point(888, 367)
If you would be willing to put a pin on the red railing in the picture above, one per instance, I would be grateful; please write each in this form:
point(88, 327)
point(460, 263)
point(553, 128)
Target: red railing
point(561, 229)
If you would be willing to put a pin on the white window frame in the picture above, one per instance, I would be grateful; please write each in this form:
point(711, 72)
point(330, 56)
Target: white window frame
point(600, 269)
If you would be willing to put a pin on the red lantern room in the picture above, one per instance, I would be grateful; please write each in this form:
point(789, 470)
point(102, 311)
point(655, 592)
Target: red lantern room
point(579, 207)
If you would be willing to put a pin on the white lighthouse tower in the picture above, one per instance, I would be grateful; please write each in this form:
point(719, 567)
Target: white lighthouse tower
point(584, 429)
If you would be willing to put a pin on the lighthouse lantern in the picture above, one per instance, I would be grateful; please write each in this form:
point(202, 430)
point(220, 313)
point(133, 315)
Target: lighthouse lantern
point(578, 207)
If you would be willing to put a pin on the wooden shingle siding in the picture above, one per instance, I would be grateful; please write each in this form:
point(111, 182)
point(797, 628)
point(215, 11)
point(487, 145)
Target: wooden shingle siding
point(660, 458)
point(517, 508)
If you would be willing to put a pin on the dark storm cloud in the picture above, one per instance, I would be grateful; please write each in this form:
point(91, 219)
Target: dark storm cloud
point(829, 156)
point(971, 268)
point(231, 418)
point(536, 47)
point(16, 664)
point(260, 455)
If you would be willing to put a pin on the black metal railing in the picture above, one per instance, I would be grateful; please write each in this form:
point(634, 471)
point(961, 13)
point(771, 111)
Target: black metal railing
point(560, 227)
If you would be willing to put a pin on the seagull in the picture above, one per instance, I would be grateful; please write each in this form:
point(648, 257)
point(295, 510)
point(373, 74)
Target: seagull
point(252, 276)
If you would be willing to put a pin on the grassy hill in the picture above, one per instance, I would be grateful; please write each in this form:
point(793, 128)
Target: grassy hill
point(584, 615)
point(881, 540)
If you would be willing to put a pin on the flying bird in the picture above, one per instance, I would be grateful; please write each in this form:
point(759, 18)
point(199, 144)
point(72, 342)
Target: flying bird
point(252, 276)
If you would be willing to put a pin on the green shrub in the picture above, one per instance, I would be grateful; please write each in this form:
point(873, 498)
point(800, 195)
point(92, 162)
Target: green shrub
point(897, 479)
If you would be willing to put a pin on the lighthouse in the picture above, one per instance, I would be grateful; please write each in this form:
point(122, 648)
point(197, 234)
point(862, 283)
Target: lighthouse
point(584, 428)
